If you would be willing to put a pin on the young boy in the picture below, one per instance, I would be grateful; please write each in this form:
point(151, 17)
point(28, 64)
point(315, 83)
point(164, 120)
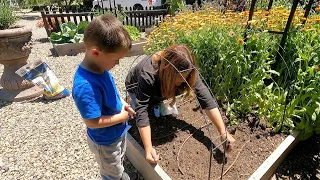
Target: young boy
point(96, 96)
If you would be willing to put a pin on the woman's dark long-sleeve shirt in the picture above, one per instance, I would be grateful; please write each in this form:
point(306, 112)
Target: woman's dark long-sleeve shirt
point(144, 82)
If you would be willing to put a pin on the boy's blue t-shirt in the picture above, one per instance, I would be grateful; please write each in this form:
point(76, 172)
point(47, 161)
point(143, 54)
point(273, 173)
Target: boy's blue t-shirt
point(96, 95)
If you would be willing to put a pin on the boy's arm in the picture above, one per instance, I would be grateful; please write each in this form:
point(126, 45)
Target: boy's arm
point(88, 99)
point(106, 121)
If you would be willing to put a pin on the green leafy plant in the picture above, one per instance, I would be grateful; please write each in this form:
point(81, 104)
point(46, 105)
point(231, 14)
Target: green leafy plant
point(175, 5)
point(7, 18)
point(70, 33)
point(133, 32)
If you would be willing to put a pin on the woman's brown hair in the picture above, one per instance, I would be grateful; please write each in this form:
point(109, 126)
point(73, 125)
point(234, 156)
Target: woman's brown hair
point(172, 62)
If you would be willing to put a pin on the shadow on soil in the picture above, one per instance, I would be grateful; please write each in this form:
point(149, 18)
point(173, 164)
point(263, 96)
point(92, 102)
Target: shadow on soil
point(171, 125)
point(303, 162)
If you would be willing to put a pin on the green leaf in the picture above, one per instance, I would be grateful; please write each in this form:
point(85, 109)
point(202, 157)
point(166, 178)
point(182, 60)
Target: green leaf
point(133, 32)
point(257, 95)
point(270, 86)
point(81, 27)
point(274, 72)
point(314, 116)
point(180, 5)
point(69, 26)
point(77, 38)
point(56, 38)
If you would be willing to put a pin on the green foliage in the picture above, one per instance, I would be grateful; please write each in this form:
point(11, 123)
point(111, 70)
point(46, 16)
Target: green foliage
point(70, 33)
point(7, 18)
point(67, 2)
point(119, 14)
point(29, 3)
point(285, 93)
point(133, 32)
point(175, 5)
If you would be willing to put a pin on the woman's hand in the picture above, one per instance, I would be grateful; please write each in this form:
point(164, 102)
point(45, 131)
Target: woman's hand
point(230, 140)
point(151, 155)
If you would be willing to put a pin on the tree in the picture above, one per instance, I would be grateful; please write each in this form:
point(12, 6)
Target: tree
point(23, 3)
point(88, 3)
point(175, 5)
point(67, 2)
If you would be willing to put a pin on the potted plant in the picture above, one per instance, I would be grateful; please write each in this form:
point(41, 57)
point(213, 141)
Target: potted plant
point(15, 48)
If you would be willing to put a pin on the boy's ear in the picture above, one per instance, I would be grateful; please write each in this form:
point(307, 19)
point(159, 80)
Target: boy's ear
point(95, 52)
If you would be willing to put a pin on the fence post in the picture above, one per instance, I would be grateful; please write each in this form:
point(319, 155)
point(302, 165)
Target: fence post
point(45, 23)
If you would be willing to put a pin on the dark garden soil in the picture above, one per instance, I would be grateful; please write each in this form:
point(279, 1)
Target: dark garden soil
point(253, 145)
point(303, 162)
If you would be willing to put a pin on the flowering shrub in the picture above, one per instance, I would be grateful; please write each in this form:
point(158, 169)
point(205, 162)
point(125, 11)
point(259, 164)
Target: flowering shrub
point(286, 93)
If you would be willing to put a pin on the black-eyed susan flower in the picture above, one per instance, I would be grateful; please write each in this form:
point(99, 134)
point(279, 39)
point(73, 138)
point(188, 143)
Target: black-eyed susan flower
point(240, 41)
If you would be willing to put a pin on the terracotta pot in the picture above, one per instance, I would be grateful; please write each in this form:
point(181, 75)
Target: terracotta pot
point(15, 47)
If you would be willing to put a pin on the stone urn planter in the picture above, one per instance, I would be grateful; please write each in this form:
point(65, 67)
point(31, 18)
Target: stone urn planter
point(148, 31)
point(15, 48)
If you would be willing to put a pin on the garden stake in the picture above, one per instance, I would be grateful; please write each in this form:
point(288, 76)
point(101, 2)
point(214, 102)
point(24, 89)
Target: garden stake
point(234, 159)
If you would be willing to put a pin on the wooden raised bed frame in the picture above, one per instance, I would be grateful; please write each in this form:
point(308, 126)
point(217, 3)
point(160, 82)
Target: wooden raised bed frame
point(135, 154)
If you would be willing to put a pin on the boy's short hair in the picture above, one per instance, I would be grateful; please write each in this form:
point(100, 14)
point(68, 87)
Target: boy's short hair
point(108, 33)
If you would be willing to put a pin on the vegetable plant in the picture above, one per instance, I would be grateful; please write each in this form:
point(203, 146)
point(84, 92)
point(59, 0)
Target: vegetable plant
point(70, 33)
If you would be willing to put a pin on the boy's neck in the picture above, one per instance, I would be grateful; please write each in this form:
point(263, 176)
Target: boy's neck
point(90, 66)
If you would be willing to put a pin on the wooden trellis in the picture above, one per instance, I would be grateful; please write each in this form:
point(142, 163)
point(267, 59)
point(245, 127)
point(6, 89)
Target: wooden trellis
point(288, 24)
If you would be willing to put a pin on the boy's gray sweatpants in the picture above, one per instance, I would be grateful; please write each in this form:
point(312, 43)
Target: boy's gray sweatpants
point(110, 157)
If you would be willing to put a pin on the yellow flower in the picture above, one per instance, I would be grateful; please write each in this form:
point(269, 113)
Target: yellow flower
point(252, 22)
point(240, 41)
point(316, 67)
point(317, 9)
point(231, 33)
point(303, 19)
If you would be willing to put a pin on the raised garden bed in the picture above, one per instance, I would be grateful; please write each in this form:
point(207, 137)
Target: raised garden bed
point(71, 49)
point(253, 146)
point(303, 162)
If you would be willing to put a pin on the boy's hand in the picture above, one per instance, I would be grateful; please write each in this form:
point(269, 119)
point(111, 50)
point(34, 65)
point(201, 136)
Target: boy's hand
point(151, 155)
point(229, 141)
point(130, 111)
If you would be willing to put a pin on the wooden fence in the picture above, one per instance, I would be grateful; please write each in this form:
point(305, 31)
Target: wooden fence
point(139, 18)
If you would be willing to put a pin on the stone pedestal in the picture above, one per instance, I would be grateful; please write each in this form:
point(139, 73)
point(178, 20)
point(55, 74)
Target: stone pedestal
point(15, 48)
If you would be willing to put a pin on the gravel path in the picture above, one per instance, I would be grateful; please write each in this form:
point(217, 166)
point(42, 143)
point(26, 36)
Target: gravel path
point(46, 139)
